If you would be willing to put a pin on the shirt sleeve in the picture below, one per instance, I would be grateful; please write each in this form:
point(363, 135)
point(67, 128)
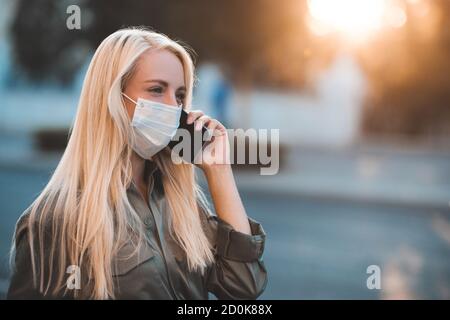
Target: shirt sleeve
point(238, 271)
point(21, 284)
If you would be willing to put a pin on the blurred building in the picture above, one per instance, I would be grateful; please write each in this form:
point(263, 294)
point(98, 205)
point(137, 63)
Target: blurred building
point(330, 115)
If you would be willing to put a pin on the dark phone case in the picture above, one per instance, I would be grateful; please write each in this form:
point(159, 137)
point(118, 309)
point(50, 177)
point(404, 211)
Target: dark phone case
point(195, 149)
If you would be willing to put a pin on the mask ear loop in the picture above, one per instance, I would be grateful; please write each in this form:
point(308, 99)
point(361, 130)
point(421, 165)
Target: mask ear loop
point(179, 105)
point(133, 137)
point(128, 98)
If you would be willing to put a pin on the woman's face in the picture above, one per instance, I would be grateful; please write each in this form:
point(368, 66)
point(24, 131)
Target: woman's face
point(159, 77)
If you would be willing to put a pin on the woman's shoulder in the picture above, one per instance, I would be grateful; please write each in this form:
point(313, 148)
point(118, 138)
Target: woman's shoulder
point(33, 234)
point(22, 224)
point(25, 253)
point(33, 218)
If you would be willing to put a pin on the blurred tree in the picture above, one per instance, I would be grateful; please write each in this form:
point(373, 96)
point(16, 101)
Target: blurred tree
point(43, 47)
point(257, 41)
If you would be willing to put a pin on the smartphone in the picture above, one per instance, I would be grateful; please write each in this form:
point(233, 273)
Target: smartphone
point(198, 140)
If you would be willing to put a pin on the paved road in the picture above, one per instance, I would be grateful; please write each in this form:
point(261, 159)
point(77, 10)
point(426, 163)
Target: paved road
point(316, 247)
point(320, 249)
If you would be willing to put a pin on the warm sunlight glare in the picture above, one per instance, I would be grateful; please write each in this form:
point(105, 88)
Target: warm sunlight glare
point(349, 17)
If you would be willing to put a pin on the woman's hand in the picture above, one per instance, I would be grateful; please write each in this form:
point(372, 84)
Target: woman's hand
point(217, 151)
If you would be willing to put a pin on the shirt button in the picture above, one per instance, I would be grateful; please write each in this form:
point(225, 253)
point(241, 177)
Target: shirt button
point(148, 222)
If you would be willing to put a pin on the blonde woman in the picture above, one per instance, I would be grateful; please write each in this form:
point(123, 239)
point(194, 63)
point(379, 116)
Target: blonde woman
point(118, 218)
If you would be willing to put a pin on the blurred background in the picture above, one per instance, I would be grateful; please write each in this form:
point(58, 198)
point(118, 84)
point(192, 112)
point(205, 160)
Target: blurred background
point(360, 91)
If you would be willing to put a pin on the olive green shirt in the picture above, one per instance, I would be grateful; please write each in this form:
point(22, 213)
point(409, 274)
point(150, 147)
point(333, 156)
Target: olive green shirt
point(159, 270)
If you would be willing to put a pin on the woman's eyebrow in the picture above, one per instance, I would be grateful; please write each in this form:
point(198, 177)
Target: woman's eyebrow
point(164, 83)
point(161, 82)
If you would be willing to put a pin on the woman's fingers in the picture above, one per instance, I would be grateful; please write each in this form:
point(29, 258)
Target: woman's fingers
point(193, 115)
point(204, 119)
point(200, 119)
point(216, 127)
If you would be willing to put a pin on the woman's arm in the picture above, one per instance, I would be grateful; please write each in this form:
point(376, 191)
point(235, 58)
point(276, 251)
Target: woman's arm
point(239, 271)
point(215, 163)
point(225, 196)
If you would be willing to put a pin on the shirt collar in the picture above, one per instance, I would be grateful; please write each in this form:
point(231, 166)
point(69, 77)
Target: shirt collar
point(150, 169)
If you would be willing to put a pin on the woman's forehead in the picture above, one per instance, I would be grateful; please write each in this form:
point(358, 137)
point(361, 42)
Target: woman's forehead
point(160, 65)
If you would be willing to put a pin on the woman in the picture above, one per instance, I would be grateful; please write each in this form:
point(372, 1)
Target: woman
point(119, 219)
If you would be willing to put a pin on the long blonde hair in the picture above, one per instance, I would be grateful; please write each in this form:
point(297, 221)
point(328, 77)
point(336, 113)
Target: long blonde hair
point(84, 206)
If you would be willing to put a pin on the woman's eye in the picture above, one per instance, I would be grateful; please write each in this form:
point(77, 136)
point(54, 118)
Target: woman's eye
point(156, 90)
point(180, 98)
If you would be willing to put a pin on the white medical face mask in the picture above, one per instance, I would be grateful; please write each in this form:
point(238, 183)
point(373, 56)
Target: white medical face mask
point(154, 125)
